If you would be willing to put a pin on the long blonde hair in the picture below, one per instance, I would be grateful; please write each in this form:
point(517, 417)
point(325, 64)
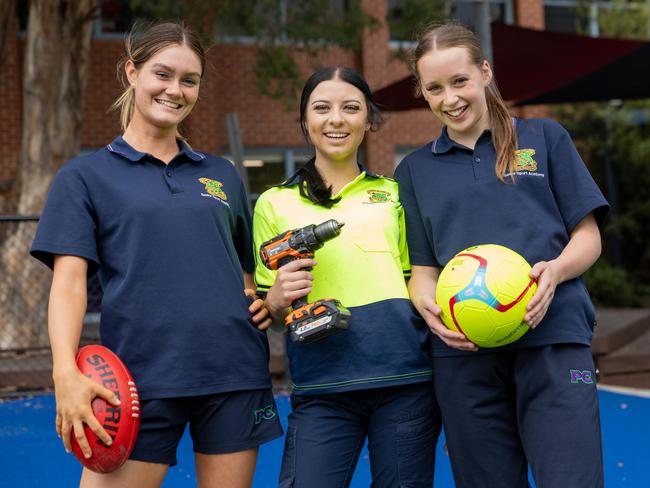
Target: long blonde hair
point(504, 136)
point(140, 45)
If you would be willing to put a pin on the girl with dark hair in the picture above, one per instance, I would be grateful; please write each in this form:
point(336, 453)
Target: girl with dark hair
point(168, 230)
point(372, 380)
point(492, 179)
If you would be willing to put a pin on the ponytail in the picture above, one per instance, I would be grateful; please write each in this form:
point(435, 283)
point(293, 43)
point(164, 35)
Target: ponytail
point(504, 135)
point(312, 187)
point(124, 104)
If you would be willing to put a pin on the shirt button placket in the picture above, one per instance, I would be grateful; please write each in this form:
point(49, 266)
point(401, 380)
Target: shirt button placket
point(477, 167)
point(173, 183)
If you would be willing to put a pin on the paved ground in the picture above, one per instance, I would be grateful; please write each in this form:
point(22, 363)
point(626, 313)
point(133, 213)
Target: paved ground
point(31, 456)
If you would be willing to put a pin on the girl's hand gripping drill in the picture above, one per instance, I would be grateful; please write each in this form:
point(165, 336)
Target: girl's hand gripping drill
point(307, 322)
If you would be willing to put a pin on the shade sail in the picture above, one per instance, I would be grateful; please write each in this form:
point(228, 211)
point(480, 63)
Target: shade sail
point(534, 67)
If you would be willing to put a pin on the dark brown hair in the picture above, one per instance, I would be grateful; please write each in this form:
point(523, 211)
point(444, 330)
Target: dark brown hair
point(310, 181)
point(504, 136)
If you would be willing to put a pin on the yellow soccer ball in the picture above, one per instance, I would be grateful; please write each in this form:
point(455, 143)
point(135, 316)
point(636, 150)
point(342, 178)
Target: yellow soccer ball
point(483, 292)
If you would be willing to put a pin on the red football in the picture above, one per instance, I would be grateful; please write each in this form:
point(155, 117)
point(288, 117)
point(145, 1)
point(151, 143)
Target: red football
point(120, 422)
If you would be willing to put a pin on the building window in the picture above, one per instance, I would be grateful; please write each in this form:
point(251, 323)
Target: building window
point(243, 22)
point(470, 12)
point(117, 16)
point(22, 15)
point(618, 18)
point(268, 167)
point(233, 22)
point(406, 17)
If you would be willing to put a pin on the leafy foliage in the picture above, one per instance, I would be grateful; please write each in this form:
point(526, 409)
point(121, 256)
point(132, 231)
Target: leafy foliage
point(408, 17)
point(620, 18)
point(616, 138)
point(280, 28)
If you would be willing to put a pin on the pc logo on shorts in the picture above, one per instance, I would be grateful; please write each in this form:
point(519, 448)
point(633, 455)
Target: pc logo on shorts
point(266, 413)
point(578, 376)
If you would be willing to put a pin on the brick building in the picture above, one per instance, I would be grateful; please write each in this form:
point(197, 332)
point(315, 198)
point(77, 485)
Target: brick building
point(270, 135)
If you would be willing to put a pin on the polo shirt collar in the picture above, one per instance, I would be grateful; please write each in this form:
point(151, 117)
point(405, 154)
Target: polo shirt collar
point(444, 143)
point(124, 149)
point(361, 176)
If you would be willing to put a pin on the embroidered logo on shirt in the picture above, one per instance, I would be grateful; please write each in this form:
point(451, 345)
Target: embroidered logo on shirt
point(525, 164)
point(378, 196)
point(213, 187)
point(266, 413)
point(524, 160)
point(578, 376)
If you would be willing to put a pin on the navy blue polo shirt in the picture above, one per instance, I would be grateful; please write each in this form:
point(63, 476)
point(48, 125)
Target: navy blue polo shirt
point(171, 243)
point(453, 200)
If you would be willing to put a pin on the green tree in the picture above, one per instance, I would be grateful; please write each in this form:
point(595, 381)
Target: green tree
point(626, 19)
point(408, 17)
point(614, 140)
point(280, 28)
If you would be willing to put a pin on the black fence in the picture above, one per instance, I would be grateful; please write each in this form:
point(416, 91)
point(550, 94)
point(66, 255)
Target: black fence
point(25, 358)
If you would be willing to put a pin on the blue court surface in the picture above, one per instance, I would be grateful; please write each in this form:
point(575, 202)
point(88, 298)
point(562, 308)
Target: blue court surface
point(31, 454)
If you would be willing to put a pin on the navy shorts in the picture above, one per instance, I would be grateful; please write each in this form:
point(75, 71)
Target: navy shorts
point(326, 434)
point(220, 423)
point(506, 411)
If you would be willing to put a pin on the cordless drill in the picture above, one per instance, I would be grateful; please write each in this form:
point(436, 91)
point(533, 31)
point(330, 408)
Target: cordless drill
point(307, 322)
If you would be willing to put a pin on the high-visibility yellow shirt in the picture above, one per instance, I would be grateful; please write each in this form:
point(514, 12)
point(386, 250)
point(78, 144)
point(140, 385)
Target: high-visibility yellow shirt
point(364, 267)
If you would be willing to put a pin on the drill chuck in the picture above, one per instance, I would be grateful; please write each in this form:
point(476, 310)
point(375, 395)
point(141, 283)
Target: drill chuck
point(327, 230)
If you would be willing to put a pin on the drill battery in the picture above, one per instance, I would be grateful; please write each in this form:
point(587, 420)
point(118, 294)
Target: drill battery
point(316, 320)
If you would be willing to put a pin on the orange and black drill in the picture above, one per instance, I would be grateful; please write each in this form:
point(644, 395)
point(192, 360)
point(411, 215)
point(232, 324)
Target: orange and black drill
point(307, 322)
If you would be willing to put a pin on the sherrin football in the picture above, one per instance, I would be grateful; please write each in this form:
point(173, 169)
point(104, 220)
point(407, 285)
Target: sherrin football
point(121, 422)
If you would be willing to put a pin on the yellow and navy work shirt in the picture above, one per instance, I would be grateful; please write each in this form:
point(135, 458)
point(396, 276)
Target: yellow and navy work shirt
point(364, 267)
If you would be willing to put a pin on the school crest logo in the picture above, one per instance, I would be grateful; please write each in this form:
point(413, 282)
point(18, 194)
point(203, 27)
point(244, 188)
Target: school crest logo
point(213, 187)
point(378, 196)
point(524, 160)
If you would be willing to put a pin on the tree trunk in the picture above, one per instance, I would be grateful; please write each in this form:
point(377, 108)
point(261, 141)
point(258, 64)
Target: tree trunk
point(57, 51)
point(7, 15)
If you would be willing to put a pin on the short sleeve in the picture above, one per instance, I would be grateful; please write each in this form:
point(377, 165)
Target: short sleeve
point(243, 238)
point(420, 250)
point(264, 228)
point(68, 223)
point(574, 189)
point(403, 246)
